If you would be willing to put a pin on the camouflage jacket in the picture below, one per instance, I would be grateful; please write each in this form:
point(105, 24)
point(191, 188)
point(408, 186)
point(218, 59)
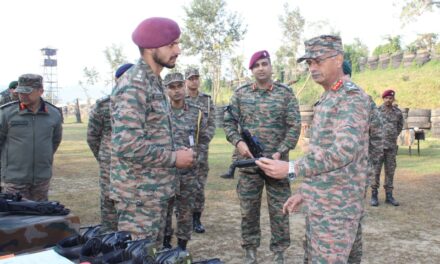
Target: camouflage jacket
point(375, 146)
point(6, 97)
point(392, 119)
point(143, 153)
point(205, 102)
point(99, 130)
point(186, 128)
point(336, 166)
point(271, 115)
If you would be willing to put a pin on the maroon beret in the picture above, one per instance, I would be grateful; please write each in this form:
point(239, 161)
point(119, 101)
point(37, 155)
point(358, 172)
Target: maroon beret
point(388, 93)
point(155, 32)
point(262, 54)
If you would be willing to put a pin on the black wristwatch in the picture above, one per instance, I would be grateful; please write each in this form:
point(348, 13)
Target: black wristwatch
point(292, 175)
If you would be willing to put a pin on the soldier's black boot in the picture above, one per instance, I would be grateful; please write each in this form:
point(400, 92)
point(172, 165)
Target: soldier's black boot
point(197, 225)
point(167, 242)
point(182, 243)
point(390, 199)
point(374, 200)
point(227, 175)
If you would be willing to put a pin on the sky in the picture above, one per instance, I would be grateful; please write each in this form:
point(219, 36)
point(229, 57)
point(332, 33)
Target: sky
point(81, 30)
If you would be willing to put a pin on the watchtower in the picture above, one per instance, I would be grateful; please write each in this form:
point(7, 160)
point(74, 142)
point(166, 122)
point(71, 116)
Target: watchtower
point(50, 74)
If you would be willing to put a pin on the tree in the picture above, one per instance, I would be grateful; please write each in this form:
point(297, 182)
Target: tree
point(115, 58)
point(424, 41)
point(237, 69)
point(91, 77)
point(211, 32)
point(292, 25)
point(392, 46)
point(412, 9)
point(353, 52)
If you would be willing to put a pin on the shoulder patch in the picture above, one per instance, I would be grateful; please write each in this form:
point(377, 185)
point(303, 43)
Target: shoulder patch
point(9, 104)
point(351, 87)
point(278, 84)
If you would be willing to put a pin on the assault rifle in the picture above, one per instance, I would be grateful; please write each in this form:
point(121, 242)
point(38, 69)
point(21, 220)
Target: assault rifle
point(254, 145)
point(13, 204)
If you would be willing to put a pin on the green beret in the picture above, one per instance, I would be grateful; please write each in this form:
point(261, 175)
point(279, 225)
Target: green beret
point(13, 85)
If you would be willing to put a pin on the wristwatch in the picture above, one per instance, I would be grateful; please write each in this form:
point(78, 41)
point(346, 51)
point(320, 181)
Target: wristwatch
point(291, 176)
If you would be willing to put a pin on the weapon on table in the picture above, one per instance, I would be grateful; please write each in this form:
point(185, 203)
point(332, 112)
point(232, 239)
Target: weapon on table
point(13, 204)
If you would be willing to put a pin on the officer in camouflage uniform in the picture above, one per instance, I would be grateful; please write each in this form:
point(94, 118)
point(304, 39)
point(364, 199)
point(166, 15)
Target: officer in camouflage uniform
point(9, 95)
point(269, 110)
point(99, 133)
point(143, 157)
point(189, 128)
point(203, 100)
point(336, 168)
point(392, 119)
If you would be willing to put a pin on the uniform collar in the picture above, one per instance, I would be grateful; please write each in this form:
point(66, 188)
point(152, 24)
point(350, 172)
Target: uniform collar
point(255, 88)
point(337, 85)
point(42, 109)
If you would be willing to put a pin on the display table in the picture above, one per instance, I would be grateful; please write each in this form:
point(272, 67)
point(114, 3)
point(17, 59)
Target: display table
point(23, 233)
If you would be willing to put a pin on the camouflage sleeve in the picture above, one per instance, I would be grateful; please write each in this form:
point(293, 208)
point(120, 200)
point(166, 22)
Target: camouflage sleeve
point(375, 144)
point(293, 125)
point(230, 123)
point(347, 131)
point(129, 107)
point(57, 134)
point(94, 130)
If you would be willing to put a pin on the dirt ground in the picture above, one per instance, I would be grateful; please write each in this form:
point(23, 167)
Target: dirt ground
point(409, 233)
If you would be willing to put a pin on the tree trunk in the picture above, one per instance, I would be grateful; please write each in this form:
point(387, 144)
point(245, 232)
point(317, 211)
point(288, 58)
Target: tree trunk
point(77, 112)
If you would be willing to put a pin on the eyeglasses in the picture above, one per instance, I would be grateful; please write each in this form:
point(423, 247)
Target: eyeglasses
point(319, 60)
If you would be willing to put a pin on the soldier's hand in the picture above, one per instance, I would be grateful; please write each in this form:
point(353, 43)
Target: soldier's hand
point(184, 158)
point(293, 204)
point(277, 169)
point(244, 150)
point(276, 156)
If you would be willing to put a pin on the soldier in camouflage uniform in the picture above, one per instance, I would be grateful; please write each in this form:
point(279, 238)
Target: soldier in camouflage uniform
point(392, 119)
point(143, 157)
point(189, 128)
point(269, 110)
point(336, 168)
point(9, 95)
point(375, 148)
point(203, 100)
point(99, 133)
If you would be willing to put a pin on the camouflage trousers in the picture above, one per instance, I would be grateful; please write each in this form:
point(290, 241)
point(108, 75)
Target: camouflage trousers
point(356, 252)
point(109, 217)
point(202, 177)
point(183, 203)
point(143, 218)
point(388, 160)
point(35, 192)
point(250, 189)
point(332, 240)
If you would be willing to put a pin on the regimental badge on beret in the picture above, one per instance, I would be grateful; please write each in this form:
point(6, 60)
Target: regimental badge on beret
point(388, 93)
point(262, 54)
point(173, 77)
point(319, 46)
point(155, 32)
point(28, 82)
